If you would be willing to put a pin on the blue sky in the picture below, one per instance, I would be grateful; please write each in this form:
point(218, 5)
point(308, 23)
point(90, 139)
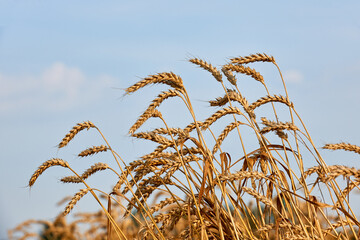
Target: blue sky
point(63, 62)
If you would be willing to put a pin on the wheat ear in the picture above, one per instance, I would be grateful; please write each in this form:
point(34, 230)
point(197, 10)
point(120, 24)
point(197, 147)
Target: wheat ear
point(339, 170)
point(46, 165)
point(233, 96)
point(207, 66)
point(229, 75)
point(222, 112)
point(343, 146)
point(150, 110)
point(258, 57)
point(243, 174)
point(153, 137)
point(224, 134)
point(74, 200)
point(258, 196)
point(170, 79)
point(93, 150)
point(268, 99)
point(170, 131)
point(90, 171)
point(273, 126)
point(245, 70)
point(75, 130)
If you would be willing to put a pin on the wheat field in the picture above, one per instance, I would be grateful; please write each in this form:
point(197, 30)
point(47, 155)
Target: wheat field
point(191, 187)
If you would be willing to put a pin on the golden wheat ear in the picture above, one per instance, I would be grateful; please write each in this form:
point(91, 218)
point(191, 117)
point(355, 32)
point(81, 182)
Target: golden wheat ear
point(343, 146)
point(46, 165)
point(90, 171)
point(245, 70)
point(229, 75)
point(75, 130)
point(258, 57)
point(219, 114)
point(170, 79)
point(207, 66)
point(74, 200)
point(93, 150)
point(267, 99)
point(151, 110)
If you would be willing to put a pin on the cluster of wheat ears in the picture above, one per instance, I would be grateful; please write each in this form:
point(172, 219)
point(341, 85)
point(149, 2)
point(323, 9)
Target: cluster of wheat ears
point(187, 189)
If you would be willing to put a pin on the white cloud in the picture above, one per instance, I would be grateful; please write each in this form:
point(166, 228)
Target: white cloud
point(63, 78)
point(58, 87)
point(293, 76)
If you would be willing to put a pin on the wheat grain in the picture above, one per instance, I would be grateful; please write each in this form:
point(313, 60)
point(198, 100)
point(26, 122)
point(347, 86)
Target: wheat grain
point(243, 174)
point(281, 134)
point(245, 70)
point(171, 131)
point(149, 112)
point(46, 165)
point(170, 79)
point(75, 130)
point(217, 115)
point(142, 119)
point(216, 73)
point(93, 169)
point(339, 223)
point(273, 126)
point(153, 137)
point(229, 75)
point(258, 57)
point(93, 150)
point(224, 134)
point(189, 128)
point(339, 170)
point(71, 179)
point(74, 200)
point(343, 146)
point(258, 196)
point(160, 155)
point(310, 171)
point(232, 96)
point(283, 225)
point(268, 99)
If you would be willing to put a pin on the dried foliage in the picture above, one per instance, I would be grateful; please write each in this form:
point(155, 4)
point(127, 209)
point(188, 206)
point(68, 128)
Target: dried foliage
point(189, 187)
